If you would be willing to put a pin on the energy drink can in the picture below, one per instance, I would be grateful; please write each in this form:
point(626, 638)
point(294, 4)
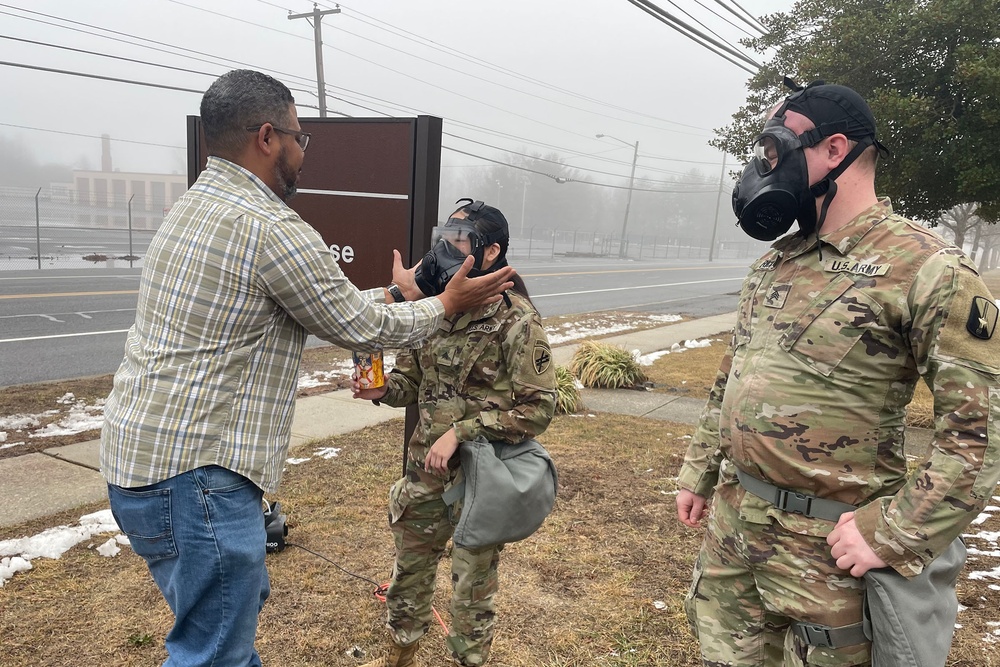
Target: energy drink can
point(368, 368)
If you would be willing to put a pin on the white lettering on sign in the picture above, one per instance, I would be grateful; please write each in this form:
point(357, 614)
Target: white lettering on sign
point(345, 253)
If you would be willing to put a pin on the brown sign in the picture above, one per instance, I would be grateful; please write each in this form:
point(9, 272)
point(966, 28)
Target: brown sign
point(368, 185)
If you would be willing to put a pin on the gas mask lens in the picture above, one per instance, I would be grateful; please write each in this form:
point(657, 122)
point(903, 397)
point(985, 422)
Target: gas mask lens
point(455, 241)
point(765, 150)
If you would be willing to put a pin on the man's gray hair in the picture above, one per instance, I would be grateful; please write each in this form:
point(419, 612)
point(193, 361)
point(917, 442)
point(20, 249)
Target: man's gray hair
point(237, 100)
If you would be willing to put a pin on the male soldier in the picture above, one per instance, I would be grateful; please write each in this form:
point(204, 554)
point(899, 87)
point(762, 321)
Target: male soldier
point(802, 438)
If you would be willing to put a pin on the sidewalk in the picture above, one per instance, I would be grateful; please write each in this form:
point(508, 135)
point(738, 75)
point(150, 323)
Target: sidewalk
point(62, 478)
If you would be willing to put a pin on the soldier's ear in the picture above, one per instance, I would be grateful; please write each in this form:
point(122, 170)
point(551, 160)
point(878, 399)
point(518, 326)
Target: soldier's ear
point(492, 252)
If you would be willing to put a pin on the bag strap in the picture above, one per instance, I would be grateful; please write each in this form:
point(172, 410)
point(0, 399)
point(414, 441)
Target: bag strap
point(454, 494)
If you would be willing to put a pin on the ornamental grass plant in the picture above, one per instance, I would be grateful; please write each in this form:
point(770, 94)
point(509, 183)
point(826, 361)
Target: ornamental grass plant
point(601, 365)
point(567, 392)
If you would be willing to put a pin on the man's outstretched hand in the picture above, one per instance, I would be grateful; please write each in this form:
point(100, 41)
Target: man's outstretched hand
point(463, 293)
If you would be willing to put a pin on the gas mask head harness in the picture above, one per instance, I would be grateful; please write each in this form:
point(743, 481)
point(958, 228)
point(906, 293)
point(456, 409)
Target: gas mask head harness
point(774, 190)
point(458, 238)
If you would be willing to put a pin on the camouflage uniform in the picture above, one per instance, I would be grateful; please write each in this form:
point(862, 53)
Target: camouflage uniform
point(488, 372)
point(811, 397)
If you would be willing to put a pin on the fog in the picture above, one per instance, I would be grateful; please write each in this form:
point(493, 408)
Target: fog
point(527, 83)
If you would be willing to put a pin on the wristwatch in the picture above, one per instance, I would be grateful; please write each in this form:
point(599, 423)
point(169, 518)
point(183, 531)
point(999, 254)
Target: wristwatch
point(397, 294)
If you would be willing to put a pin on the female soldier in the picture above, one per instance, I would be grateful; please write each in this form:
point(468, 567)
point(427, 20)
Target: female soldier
point(488, 372)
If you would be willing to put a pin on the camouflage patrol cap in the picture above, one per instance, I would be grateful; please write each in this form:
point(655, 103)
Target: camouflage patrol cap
point(840, 108)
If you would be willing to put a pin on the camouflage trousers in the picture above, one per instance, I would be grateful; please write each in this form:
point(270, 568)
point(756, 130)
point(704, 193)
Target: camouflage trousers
point(421, 528)
point(752, 580)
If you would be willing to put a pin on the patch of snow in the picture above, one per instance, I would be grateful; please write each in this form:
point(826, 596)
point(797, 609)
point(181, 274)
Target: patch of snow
point(52, 543)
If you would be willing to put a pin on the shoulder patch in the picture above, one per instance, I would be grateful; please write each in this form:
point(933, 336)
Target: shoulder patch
point(541, 357)
point(982, 318)
point(776, 295)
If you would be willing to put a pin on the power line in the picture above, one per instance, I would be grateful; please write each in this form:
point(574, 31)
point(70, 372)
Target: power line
point(148, 84)
point(756, 27)
point(92, 136)
point(506, 87)
point(144, 83)
point(561, 164)
point(497, 68)
point(691, 17)
point(571, 153)
point(560, 179)
point(140, 45)
point(695, 35)
point(103, 78)
point(207, 55)
point(131, 60)
point(709, 9)
point(395, 71)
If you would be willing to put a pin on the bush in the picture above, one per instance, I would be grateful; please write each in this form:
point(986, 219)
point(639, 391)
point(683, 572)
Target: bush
point(567, 394)
point(603, 365)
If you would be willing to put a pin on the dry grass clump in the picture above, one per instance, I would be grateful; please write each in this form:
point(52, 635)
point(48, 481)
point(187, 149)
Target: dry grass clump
point(567, 393)
point(606, 366)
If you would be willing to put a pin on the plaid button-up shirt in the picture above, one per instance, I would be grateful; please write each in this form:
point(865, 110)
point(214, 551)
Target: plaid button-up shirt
point(234, 281)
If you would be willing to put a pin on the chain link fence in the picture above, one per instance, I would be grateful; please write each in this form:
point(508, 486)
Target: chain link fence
point(48, 228)
point(550, 243)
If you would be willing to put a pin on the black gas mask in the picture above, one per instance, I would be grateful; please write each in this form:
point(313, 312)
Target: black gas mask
point(456, 240)
point(774, 189)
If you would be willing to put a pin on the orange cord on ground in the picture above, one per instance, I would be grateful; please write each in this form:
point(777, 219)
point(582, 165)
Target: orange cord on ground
point(380, 593)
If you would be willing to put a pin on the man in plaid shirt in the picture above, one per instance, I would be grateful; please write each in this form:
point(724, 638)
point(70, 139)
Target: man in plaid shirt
point(198, 423)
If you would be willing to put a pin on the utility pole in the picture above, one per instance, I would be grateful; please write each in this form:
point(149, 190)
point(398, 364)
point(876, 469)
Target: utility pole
point(718, 200)
point(317, 16)
point(524, 197)
point(623, 248)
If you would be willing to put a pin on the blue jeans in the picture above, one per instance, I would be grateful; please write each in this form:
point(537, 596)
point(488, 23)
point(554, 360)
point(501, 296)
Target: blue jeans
point(202, 535)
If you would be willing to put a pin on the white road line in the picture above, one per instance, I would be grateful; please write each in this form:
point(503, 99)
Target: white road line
point(637, 287)
point(72, 335)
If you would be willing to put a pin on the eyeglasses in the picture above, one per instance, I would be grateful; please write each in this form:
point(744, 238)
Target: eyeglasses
point(301, 138)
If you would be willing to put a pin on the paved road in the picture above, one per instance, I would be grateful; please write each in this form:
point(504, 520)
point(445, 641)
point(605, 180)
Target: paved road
point(60, 324)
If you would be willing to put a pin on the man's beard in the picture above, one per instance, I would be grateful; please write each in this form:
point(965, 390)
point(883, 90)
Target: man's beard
point(287, 178)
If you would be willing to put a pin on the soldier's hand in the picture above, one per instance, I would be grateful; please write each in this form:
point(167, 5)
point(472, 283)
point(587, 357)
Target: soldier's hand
point(850, 549)
point(463, 293)
point(690, 508)
point(367, 394)
point(441, 452)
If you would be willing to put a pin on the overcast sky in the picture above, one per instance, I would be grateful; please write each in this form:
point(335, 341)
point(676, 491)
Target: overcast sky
point(594, 67)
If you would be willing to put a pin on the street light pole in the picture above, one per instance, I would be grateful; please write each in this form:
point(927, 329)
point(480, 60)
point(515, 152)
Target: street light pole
point(718, 200)
point(499, 188)
point(317, 16)
point(623, 247)
point(524, 196)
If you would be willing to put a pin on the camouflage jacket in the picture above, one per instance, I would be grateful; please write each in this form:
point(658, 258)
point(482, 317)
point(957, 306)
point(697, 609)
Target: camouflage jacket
point(486, 372)
point(812, 393)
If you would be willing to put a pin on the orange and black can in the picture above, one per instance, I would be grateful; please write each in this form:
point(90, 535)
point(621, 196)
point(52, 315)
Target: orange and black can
point(369, 369)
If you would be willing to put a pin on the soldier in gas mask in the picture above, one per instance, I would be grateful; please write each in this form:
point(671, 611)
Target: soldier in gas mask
point(801, 445)
point(487, 372)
